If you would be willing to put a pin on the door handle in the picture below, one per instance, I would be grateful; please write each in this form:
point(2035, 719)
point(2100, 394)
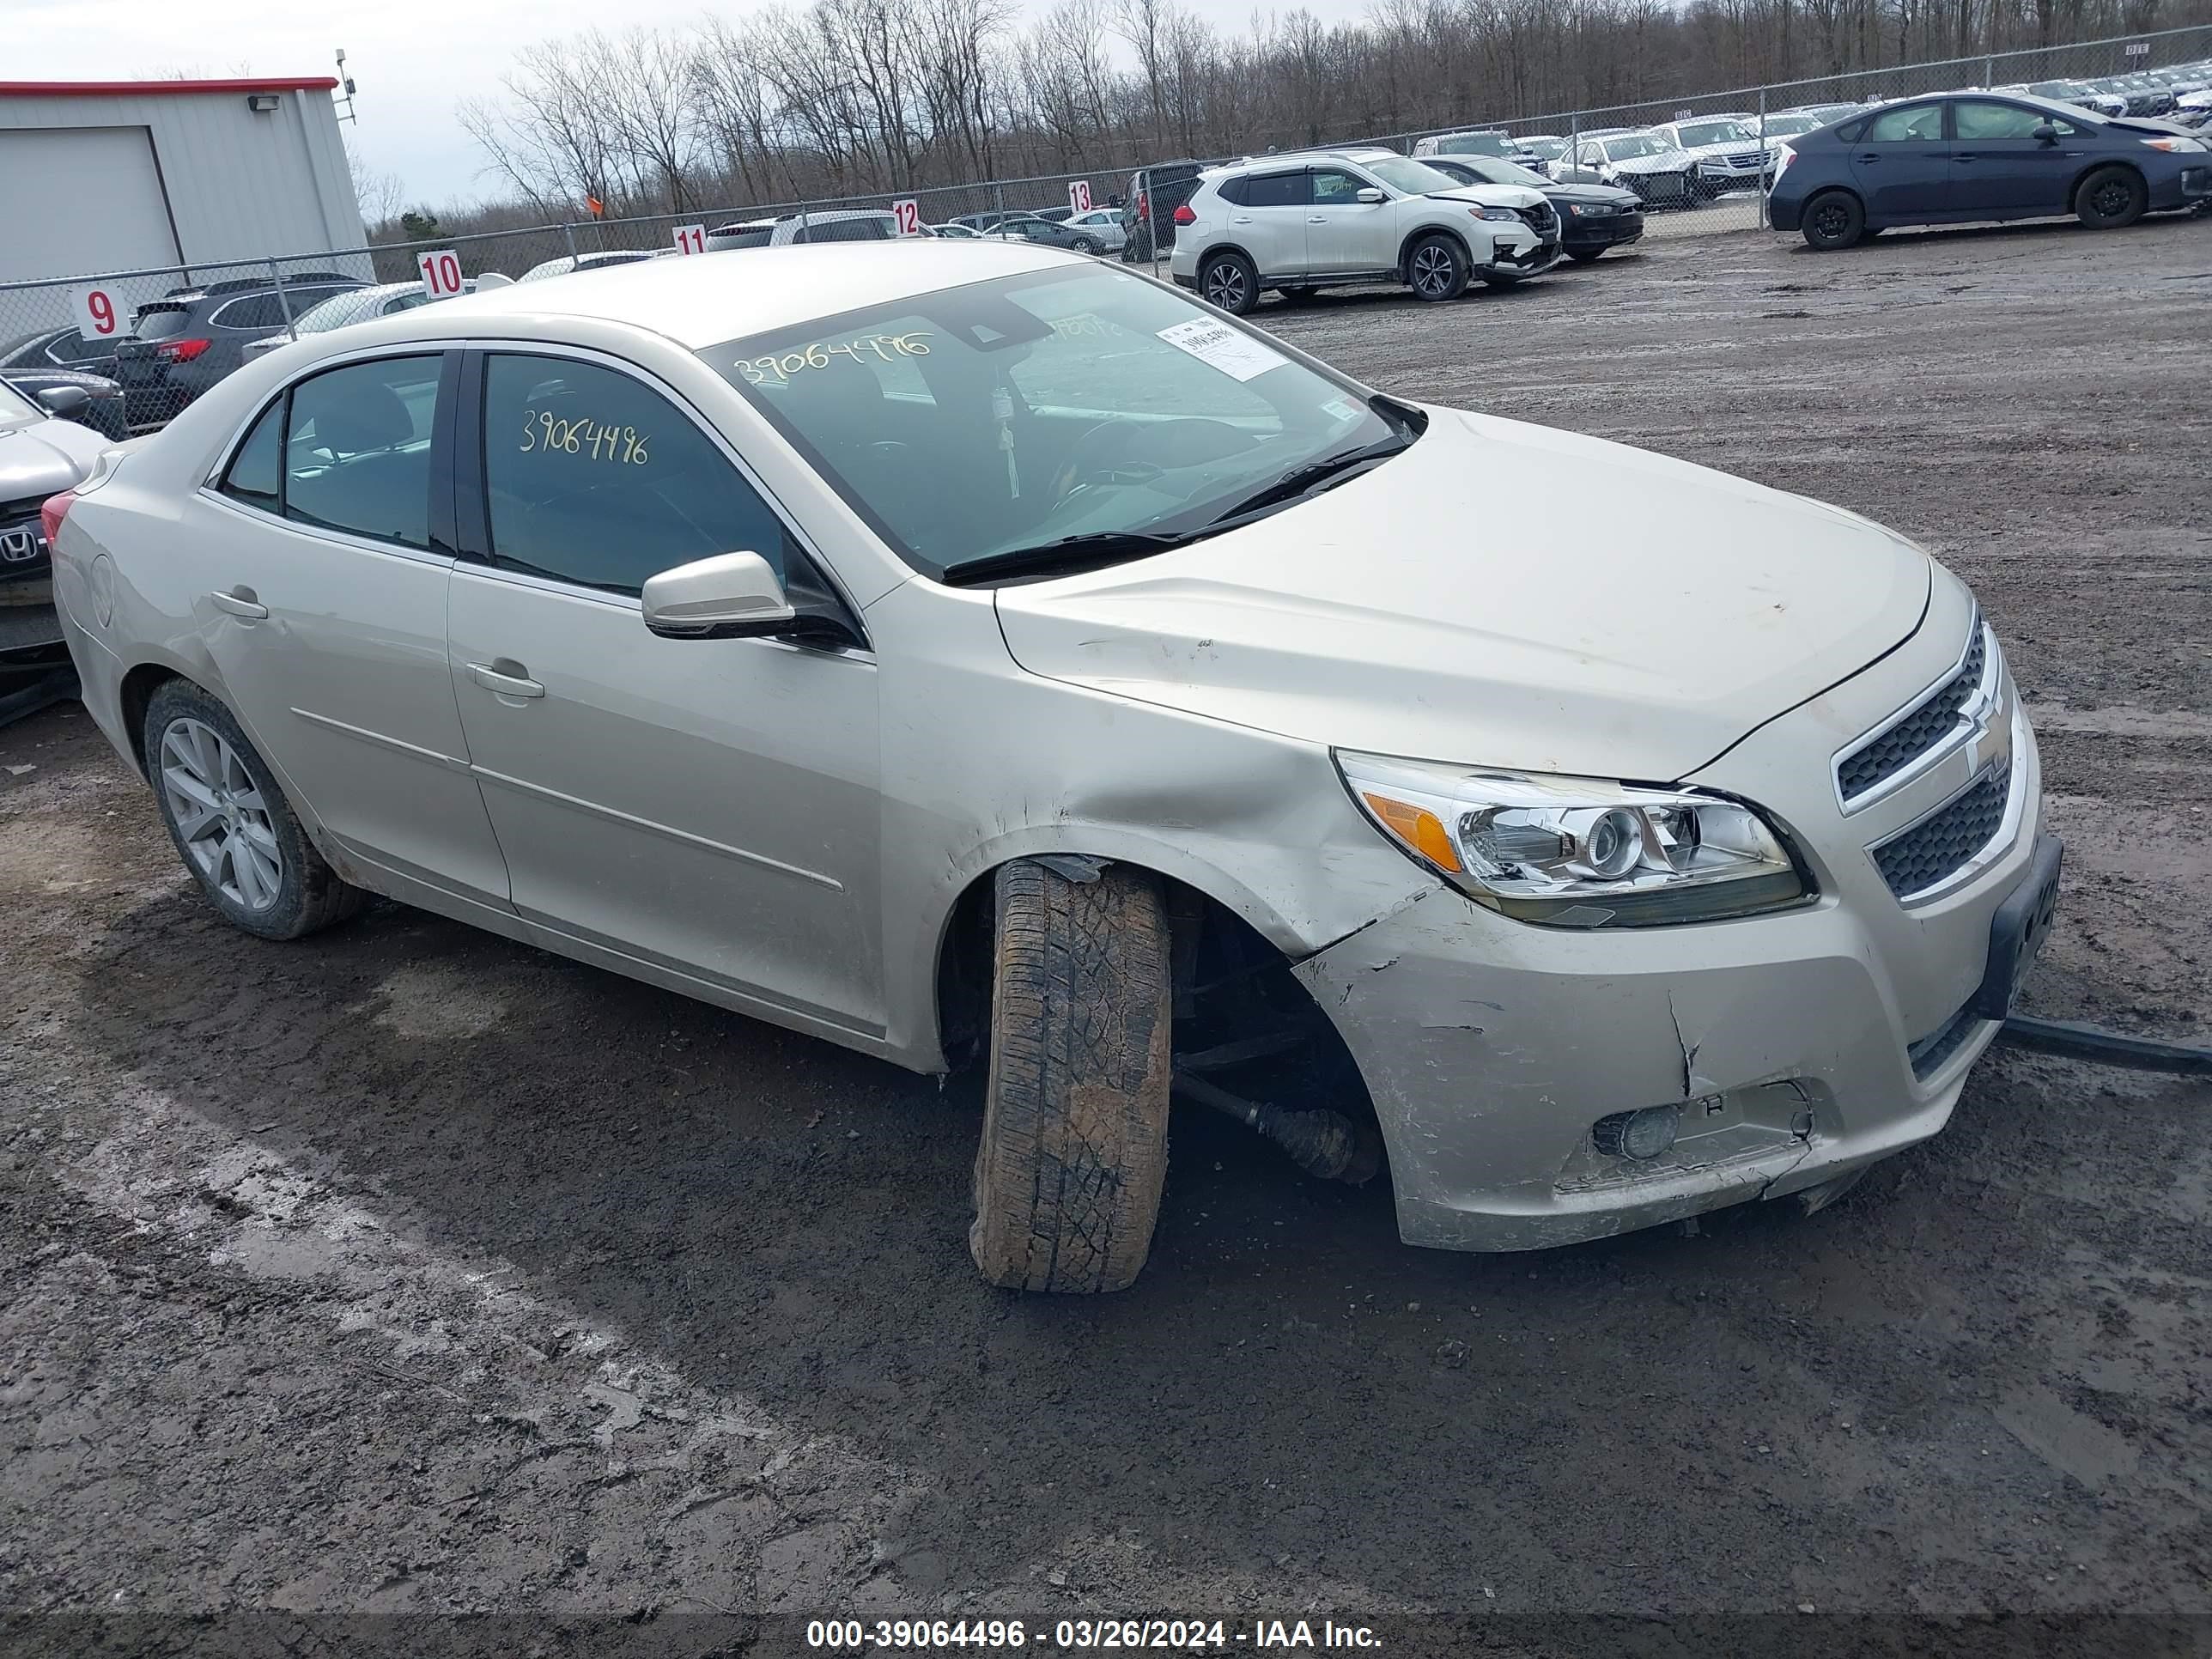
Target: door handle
point(1869, 156)
point(240, 602)
point(1246, 219)
point(506, 676)
point(1317, 219)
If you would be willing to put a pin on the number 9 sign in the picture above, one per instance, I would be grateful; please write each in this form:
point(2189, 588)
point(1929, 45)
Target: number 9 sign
point(441, 273)
point(98, 315)
point(908, 215)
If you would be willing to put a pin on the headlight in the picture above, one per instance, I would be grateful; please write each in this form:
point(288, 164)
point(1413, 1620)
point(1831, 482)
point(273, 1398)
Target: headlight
point(1506, 215)
point(1591, 210)
point(2183, 144)
point(1569, 852)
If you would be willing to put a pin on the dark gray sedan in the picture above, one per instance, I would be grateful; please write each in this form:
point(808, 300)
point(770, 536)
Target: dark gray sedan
point(1969, 157)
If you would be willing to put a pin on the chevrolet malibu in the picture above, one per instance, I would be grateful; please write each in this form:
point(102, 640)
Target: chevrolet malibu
point(976, 652)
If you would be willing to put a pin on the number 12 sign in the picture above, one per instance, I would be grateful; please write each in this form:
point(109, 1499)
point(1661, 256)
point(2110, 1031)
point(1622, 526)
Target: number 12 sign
point(691, 239)
point(1078, 196)
point(441, 273)
point(908, 215)
point(98, 313)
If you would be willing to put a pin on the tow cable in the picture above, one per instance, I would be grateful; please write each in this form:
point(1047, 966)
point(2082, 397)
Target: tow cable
point(2078, 1042)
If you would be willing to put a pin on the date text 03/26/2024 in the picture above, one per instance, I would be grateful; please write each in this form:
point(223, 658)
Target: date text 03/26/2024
point(1188, 1635)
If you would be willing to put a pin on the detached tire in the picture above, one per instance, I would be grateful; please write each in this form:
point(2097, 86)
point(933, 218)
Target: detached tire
point(1075, 1116)
point(2111, 198)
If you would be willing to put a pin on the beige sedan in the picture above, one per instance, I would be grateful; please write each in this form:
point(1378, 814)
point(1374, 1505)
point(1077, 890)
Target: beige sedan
point(970, 652)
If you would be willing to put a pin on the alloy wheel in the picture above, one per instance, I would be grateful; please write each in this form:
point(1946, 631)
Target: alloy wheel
point(1830, 221)
point(222, 820)
point(2111, 199)
point(1432, 270)
point(1224, 286)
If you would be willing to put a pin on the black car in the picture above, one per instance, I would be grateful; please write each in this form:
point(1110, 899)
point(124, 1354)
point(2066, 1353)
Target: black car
point(1148, 210)
point(1969, 157)
point(1592, 217)
point(178, 348)
point(91, 400)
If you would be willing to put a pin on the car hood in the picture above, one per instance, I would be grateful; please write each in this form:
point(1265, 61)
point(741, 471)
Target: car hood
point(1610, 194)
point(1671, 160)
point(1499, 594)
point(43, 457)
point(1506, 196)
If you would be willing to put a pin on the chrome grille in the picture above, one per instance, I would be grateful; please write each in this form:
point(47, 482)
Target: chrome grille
point(1887, 753)
point(1940, 845)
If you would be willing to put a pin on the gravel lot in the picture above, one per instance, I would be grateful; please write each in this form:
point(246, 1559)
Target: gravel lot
point(406, 1270)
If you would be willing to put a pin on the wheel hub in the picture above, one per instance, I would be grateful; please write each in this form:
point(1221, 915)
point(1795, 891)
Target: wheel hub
point(222, 820)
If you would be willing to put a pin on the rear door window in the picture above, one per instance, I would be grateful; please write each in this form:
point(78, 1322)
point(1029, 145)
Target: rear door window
point(357, 449)
point(1277, 190)
point(1914, 124)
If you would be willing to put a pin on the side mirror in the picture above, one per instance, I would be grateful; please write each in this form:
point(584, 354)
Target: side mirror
point(2045, 134)
point(1371, 195)
point(731, 596)
point(65, 400)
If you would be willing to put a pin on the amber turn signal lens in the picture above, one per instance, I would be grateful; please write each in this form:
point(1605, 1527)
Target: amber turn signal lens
point(1419, 828)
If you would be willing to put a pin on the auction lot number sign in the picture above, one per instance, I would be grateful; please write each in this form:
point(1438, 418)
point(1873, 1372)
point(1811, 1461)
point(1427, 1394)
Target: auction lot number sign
point(99, 313)
point(441, 273)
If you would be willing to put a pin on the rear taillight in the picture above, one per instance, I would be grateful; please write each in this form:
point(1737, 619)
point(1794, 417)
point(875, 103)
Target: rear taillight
point(180, 351)
point(52, 510)
point(1183, 216)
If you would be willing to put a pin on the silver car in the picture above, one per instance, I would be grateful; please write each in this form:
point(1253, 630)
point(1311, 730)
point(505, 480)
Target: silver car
point(967, 651)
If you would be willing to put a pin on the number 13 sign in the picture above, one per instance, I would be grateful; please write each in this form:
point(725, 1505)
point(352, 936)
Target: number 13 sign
point(1078, 196)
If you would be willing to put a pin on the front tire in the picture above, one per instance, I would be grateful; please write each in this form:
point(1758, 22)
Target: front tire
point(231, 824)
point(1834, 219)
point(1228, 280)
point(1074, 1149)
point(2111, 198)
point(1437, 268)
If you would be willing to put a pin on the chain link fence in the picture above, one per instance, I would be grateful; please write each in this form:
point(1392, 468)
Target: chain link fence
point(164, 335)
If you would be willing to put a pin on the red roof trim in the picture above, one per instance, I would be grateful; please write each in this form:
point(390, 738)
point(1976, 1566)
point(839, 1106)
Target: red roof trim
point(156, 89)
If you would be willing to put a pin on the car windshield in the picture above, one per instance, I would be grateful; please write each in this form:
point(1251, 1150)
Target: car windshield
point(1024, 410)
point(338, 311)
point(1413, 178)
point(1472, 144)
point(15, 408)
point(1503, 172)
point(1633, 144)
point(1695, 134)
point(1549, 150)
point(1789, 126)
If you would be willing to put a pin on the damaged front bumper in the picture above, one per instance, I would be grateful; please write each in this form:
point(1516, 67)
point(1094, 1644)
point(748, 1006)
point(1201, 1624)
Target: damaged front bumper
point(1798, 1048)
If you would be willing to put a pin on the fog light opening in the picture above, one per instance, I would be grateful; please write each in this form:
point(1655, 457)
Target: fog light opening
point(1640, 1135)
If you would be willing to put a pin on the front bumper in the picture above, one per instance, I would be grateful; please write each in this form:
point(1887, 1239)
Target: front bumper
point(1610, 231)
point(1522, 259)
point(1661, 189)
point(1800, 1046)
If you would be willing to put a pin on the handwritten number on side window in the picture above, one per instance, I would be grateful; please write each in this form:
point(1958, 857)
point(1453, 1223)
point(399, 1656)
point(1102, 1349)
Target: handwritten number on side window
point(583, 437)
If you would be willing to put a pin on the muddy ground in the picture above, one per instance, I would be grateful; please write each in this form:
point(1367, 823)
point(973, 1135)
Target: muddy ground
point(407, 1270)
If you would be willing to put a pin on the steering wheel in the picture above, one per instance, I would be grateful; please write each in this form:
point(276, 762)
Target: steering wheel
point(1137, 452)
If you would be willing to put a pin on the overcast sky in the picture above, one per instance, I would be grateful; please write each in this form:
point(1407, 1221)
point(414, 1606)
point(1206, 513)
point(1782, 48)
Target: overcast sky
point(413, 59)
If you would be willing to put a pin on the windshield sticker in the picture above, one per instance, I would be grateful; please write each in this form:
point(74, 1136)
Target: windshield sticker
point(777, 369)
point(1235, 354)
point(1337, 408)
point(542, 430)
point(1085, 324)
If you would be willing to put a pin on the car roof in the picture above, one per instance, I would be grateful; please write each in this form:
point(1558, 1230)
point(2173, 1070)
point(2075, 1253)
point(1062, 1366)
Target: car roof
point(694, 302)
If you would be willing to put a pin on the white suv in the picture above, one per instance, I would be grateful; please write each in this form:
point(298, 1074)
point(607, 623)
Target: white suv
point(1325, 217)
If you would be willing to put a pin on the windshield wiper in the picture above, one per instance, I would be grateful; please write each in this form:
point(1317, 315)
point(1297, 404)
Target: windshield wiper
point(1064, 557)
point(1304, 480)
